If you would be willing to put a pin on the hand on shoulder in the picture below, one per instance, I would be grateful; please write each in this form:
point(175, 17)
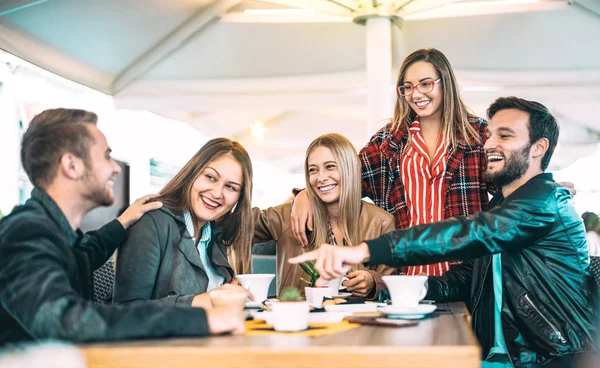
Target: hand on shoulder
point(137, 209)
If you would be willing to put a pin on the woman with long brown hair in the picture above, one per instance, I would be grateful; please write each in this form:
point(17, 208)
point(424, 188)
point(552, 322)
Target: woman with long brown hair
point(199, 239)
point(427, 163)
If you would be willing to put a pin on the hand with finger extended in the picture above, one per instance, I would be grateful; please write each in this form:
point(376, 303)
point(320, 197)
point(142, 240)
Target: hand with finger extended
point(301, 218)
point(331, 261)
point(138, 209)
point(226, 319)
point(360, 282)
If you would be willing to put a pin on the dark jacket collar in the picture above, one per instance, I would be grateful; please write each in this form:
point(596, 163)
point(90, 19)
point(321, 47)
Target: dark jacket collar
point(39, 198)
point(498, 197)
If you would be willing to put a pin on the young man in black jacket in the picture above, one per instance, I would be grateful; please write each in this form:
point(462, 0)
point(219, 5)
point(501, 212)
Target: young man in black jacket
point(46, 262)
point(525, 276)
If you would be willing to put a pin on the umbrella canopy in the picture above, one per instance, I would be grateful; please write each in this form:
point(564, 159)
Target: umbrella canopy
point(296, 68)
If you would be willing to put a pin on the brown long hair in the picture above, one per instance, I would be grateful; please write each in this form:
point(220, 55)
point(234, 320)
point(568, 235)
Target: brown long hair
point(348, 165)
point(455, 114)
point(237, 225)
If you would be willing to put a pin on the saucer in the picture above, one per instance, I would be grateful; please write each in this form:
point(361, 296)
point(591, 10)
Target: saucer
point(352, 308)
point(407, 312)
point(325, 317)
point(341, 295)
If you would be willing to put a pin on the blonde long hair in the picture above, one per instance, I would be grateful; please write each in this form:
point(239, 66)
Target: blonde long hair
point(455, 114)
point(237, 225)
point(348, 165)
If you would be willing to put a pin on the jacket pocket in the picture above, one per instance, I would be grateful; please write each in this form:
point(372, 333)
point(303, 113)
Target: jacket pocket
point(553, 333)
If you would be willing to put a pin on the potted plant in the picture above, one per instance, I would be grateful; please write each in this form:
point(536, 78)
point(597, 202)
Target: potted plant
point(290, 313)
point(314, 294)
point(309, 268)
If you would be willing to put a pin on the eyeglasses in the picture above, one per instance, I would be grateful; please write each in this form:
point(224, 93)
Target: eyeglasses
point(423, 87)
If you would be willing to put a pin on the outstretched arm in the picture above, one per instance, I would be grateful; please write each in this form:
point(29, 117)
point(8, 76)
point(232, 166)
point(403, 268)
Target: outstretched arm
point(505, 228)
point(40, 296)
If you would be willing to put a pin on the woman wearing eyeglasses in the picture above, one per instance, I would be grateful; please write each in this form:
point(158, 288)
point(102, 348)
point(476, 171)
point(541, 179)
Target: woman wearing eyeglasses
point(427, 163)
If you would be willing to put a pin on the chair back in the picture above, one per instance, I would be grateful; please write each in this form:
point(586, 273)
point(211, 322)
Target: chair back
point(266, 264)
point(595, 274)
point(104, 280)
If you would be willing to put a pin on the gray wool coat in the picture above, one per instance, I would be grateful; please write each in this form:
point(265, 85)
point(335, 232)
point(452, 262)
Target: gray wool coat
point(159, 261)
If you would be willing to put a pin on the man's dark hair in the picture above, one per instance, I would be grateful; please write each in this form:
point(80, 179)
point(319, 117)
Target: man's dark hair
point(541, 122)
point(51, 134)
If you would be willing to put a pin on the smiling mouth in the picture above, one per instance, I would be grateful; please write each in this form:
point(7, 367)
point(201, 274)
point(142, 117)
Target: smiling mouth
point(422, 104)
point(327, 188)
point(494, 158)
point(210, 204)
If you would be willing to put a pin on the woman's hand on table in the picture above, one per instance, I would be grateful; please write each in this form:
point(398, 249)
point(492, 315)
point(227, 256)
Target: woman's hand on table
point(226, 319)
point(235, 286)
point(203, 300)
point(359, 283)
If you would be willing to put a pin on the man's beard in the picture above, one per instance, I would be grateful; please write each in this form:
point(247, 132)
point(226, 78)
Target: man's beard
point(96, 192)
point(514, 167)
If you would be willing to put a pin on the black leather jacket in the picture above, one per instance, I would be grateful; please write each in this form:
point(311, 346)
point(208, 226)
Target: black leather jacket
point(546, 306)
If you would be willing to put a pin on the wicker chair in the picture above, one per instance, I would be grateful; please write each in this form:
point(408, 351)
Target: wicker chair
point(104, 279)
point(595, 274)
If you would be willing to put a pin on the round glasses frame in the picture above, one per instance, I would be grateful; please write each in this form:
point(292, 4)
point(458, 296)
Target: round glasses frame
point(419, 87)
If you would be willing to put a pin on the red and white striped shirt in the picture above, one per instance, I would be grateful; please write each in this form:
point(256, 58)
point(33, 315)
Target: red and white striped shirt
point(423, 182)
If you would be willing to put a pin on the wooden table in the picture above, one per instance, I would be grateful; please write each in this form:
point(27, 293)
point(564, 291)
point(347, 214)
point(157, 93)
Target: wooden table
point(443, 341)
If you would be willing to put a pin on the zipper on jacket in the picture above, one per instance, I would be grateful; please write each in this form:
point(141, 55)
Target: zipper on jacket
point(487, 268)
point(556, 331)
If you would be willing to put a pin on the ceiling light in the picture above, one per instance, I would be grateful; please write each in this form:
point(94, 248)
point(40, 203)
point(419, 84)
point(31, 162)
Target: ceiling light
point(277, 11)
point(258, 129)
point(490, 3)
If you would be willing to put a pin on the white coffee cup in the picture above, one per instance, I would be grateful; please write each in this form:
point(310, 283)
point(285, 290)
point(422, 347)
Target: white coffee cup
point(336, 284)
point(256, 283)
point(289, 316)
point(315, 295)
point(406, 291)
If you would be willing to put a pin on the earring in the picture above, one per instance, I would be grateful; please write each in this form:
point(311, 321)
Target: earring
point(234, 206)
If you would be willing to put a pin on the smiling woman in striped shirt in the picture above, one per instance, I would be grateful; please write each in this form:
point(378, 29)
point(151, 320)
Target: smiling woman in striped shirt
point(427, 163)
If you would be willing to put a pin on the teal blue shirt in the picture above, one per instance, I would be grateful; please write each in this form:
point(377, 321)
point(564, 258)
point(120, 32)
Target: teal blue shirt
point(214, 278)
point(497, 356)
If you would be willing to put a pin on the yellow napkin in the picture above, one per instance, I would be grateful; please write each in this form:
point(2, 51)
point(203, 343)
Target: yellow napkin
point(261, 328)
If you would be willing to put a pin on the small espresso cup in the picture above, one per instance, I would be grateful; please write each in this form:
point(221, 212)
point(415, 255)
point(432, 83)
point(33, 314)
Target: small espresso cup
point(256, 283)
point(406, 291)
point(336, 284)
point(315, 295)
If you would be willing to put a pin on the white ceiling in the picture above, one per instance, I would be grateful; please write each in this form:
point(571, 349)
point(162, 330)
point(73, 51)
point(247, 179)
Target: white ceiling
point(210, 64)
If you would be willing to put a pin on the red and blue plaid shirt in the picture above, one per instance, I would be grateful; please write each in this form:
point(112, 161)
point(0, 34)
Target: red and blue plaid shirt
point(466, 191)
